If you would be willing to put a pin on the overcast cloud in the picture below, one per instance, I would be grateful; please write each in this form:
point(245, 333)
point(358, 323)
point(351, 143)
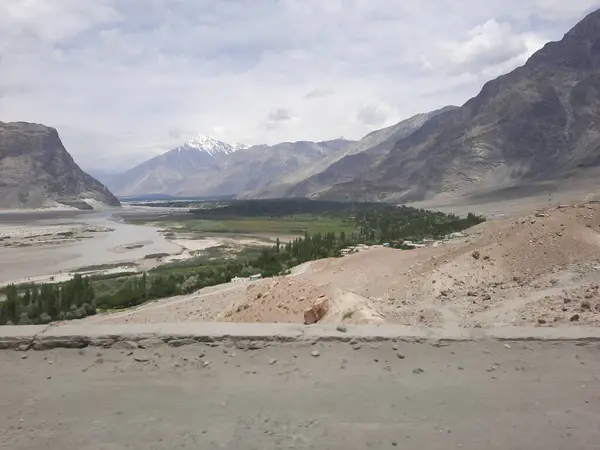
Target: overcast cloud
point(124, 80)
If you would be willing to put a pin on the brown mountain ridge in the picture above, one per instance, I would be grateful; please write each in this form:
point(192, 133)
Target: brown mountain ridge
point(37, 171)
point(537, 123)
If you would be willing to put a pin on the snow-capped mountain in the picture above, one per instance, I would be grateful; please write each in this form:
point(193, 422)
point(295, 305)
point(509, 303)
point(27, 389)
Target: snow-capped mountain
point(212, 146)
point(199, 155)
point(204, 166)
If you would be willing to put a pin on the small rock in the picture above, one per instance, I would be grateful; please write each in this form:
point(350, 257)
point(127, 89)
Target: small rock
point(125, 345)
point(542, 321)
point(394, 346)
point(341, 328)
point(418, 370)
point(141, 358)
point(317, 311)
point(24, 356)
point(181, 342)
point(201, 355)
point(357, 346)
point(586, 305)
point(400, 355)
point(255, 345)
point(567, 300)
point(476, 254)
point(472, 294)
point(150, 343)
point(206, 364)
point(575, 318)
point(315, 353)
point(507, 346)
point(487, 297)
point(272, 361)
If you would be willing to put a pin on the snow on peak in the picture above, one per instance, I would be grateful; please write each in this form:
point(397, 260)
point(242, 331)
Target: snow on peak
point(213, 146)
point(237, 146)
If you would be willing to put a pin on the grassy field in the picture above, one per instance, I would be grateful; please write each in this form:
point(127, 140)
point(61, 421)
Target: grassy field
point(280, 226)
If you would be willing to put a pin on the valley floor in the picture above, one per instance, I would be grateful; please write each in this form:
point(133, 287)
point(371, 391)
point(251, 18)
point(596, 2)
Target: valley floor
point(541, 269)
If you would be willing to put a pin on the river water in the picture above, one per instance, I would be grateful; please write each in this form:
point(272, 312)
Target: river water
point(103, 248)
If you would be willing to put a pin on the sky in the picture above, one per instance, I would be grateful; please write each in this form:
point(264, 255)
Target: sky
point(125, 80)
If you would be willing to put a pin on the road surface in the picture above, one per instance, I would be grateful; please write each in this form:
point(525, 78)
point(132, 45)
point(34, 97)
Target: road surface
point(472, 395)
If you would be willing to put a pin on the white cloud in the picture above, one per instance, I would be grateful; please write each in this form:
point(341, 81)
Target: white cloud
point(279, 115)
point(125, 79)
point(565, 9)
point(490, 49)
point(373, 115)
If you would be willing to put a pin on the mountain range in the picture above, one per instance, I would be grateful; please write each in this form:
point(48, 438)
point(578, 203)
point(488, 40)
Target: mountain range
point(204, 166)
point(539, 123)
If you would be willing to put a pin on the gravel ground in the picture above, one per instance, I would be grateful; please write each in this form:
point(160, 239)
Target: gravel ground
point(472, 395)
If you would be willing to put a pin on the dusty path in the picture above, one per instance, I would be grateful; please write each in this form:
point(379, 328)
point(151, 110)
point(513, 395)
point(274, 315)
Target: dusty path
point(471, 395)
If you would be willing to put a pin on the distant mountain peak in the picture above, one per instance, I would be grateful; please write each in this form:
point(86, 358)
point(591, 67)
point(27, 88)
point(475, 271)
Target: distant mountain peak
point(213, 146)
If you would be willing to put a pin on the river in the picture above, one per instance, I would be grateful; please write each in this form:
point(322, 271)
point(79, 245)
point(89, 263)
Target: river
point(17, 263)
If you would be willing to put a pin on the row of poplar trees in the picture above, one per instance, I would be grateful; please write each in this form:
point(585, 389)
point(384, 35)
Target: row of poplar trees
point(43, 303)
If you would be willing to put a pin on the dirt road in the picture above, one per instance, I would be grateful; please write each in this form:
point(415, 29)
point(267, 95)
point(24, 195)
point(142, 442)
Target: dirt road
point(471, 395)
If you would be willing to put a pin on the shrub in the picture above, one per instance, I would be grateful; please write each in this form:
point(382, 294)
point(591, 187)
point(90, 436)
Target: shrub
point(90, 310)
point(80, 313)
point(45, 318)
point(69, 315)
point(24, 319)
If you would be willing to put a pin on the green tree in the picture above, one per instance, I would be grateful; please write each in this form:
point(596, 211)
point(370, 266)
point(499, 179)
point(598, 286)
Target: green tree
point(11, 303)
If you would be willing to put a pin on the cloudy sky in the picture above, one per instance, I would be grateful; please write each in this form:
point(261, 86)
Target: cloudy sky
point(124, 80)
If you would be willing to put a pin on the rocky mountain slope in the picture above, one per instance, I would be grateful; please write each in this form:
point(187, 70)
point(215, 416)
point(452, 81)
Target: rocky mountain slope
point(348, 162)
point(206, 167)
point(540, 122)
point(36, 170)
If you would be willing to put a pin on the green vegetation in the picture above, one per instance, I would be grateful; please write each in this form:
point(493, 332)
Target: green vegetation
point(262, 225)
point(99, 267)
point(397, 224)
point(326, 229)
point(44, 303)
